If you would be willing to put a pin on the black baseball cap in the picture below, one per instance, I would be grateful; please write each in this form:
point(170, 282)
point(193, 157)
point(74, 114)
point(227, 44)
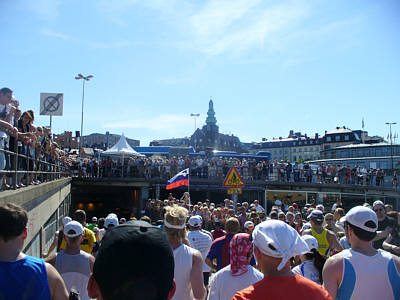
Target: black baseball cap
point(135, 261)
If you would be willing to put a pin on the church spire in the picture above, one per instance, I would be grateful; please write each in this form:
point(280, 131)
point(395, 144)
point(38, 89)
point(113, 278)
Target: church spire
point(211, 120)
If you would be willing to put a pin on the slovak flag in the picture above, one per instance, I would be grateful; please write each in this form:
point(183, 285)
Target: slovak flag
point(182, 178)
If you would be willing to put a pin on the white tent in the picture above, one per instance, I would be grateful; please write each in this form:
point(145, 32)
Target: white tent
point(121, 149)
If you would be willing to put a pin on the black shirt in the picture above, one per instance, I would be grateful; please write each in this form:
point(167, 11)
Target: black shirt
point(387, 222)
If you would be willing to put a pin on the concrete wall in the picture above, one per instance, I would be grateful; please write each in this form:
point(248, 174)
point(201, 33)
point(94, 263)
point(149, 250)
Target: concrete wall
point(40, 201)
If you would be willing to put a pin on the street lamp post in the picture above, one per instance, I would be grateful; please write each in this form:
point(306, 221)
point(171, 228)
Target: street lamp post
point(84, 78)
point(194, 117)
point(391, 145)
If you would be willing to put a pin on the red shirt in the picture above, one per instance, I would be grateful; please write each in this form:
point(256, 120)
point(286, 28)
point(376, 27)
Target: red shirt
point(287, 287)
point(217, 233)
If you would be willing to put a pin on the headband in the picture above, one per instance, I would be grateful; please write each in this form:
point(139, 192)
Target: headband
point(182, 226)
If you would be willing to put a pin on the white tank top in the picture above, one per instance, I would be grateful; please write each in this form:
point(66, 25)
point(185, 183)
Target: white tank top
point(75, 270)
point(368, 277)
point(183, 256)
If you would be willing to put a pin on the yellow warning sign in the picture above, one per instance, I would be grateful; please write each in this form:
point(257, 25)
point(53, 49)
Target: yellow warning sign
point(233, 179)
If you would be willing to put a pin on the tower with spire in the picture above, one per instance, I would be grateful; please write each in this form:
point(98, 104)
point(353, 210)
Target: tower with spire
point(208, 137)
point(211, 121)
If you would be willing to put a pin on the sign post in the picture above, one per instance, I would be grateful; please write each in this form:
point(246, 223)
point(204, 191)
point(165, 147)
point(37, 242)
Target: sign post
point(234, 182)
point(51, 104)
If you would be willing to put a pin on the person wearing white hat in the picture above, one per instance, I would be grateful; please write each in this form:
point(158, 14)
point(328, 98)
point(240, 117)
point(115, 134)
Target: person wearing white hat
point(88, 235)
point(248, 227)
point(312, 262)
point(201, 241)
point(275, 243)
point(58, 238)
point(111, 221)
point(74, 264)
point(362, 272)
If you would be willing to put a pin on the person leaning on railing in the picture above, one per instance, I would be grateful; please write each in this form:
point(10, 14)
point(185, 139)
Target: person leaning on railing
point(25, 137)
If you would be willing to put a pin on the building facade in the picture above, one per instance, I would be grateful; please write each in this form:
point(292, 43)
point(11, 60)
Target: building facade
point(105, 141)
point(371, 156)
point(296, 147)
point(300, 147)
point(171, 142)
point(342, 136)
point(209, 139)
point(66, 140)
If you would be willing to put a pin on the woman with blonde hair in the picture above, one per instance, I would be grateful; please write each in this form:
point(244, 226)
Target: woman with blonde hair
point(188, 272)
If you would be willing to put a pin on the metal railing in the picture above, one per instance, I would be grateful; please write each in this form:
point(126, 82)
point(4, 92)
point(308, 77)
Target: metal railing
point(48, 171)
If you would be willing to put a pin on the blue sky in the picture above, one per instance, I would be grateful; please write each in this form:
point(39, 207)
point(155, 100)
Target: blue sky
point(269, 66)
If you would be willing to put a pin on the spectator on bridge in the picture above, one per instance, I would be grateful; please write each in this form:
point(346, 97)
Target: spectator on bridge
point(31, 278)
point(7, 109)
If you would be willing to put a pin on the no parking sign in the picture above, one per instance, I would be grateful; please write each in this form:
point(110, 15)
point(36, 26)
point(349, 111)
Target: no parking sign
point(51, 104)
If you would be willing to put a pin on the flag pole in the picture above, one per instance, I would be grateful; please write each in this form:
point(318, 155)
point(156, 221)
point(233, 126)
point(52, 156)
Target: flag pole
point(189, 187)
point(188, 180)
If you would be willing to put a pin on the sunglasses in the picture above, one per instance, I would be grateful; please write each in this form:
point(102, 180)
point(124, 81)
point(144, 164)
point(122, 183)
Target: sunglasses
point(378, 209)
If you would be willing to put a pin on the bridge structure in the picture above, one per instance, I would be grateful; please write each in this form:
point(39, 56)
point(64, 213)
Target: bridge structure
point(49, 202)
point(129, 195)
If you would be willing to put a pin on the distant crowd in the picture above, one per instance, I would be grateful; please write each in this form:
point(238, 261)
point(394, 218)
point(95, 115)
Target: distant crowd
point(218, 167)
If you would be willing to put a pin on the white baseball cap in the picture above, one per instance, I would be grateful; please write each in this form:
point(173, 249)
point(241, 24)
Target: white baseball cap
point(378, 202)
point(111, 220)
point(66, 220)
point(311, 241)
point(195, 221)
point(249, 225)
point(362, 217)
point(73, 229)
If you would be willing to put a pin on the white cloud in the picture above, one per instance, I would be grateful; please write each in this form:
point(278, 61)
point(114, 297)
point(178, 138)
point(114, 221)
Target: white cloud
point(237, 26)
point(89, 43)
point(57, 35)
point(166, 122)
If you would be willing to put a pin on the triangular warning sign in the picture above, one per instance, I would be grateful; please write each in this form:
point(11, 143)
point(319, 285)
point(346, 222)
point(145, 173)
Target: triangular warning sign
point(233, 179)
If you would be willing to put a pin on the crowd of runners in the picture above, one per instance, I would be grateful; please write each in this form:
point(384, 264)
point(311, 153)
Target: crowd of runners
point(178, 250)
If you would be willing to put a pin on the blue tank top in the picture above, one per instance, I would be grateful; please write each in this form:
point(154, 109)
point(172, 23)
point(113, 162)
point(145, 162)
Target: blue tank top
point(24, 279)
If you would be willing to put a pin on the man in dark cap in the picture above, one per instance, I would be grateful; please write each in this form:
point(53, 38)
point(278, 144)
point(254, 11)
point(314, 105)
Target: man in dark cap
point(327, 240)
point(135, 261)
